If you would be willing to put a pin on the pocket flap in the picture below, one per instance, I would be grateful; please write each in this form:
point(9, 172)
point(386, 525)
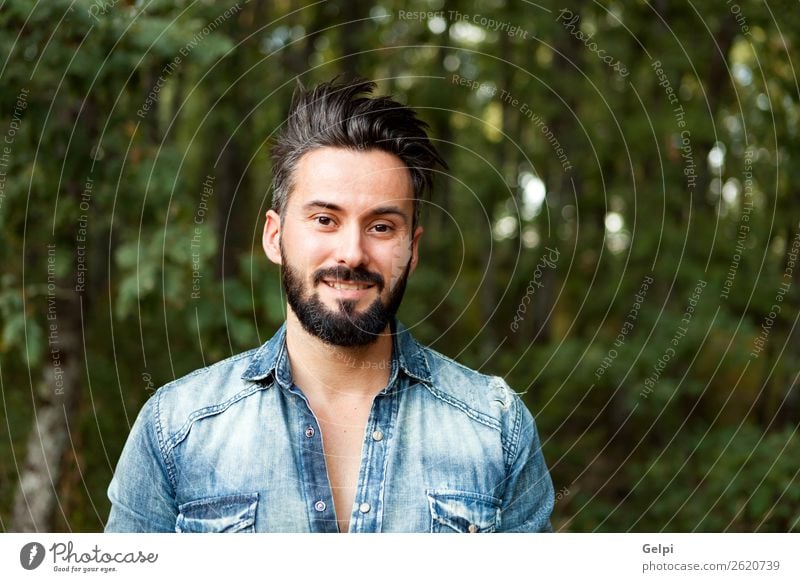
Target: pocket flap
point(227, 513)
point(463, 511)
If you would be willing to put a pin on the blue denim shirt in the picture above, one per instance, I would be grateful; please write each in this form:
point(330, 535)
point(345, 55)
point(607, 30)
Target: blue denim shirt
point(235, 447)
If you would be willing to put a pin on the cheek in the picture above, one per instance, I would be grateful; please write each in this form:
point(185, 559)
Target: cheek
point(398, 258)
point(304, 252)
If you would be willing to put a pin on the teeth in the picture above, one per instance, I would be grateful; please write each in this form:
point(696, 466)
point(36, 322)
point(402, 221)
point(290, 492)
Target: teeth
point(347, 287)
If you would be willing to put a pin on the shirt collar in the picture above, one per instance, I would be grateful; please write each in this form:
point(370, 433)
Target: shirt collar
point(272, 358)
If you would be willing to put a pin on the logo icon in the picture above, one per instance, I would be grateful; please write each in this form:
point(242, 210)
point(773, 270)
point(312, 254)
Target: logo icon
point(31, 555)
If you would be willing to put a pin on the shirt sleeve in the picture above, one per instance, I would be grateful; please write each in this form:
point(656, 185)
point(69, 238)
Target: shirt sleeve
point(141, 494)
point(529, 497)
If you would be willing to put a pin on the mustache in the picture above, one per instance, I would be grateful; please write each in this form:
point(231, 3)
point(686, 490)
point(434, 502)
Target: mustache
point(342, 273)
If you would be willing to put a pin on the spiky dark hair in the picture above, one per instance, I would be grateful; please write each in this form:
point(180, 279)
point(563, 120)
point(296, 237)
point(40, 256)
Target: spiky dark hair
point(345, 115)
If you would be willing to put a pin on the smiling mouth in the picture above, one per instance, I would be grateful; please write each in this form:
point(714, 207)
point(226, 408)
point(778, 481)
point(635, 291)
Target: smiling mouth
point(347, 285)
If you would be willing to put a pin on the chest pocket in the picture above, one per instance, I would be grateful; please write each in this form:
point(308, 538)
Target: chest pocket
point(462, 511)
point(228, 514)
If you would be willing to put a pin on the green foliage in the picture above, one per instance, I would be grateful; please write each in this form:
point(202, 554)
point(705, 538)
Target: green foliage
point(711, 480)
point(145, 101)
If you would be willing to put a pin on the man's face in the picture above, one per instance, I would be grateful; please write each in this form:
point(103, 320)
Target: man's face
point(346, 243)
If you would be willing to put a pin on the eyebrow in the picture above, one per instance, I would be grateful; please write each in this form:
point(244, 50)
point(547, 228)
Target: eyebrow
point(379, 211)
point(322, 204)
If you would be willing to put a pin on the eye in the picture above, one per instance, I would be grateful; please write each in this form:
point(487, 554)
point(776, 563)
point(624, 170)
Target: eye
point(323, 220)
point(383, 228)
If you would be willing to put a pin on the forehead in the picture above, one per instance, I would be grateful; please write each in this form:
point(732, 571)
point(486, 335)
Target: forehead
point(353, 180)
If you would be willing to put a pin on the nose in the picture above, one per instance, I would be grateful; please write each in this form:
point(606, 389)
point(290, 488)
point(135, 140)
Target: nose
point(351, 250)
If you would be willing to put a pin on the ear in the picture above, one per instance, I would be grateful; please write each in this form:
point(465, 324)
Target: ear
point(271, 239)
point(415, 249)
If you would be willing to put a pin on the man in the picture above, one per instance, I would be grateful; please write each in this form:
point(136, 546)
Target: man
point(340, 422)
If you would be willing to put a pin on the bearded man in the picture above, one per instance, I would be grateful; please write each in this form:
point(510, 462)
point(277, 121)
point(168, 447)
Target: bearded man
point(341, 422)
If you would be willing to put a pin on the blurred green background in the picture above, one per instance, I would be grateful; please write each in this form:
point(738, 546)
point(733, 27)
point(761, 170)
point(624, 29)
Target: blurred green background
point(617, 234)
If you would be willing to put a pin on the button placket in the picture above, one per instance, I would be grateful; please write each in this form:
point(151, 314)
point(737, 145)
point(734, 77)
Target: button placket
point(316, 484)
point(368, 513)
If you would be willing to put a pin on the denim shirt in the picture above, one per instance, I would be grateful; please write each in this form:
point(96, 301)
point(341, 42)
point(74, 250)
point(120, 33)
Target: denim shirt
point(235, 447)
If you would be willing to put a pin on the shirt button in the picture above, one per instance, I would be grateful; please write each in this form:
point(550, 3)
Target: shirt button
point(377, 435)
point(472, 528)
point(320, 505)
point(310, 432)
point(364, 507)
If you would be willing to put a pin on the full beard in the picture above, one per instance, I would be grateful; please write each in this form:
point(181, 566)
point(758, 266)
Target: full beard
point(344, 327)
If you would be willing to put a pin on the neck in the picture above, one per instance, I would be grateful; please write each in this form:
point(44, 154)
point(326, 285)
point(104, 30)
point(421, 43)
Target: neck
point(333, 372)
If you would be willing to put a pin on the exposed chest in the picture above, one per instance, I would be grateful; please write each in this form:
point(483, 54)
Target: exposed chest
point(342, 438)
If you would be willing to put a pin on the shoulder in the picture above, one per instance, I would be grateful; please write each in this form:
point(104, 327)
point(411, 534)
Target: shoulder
point(204, 392)
point(486, 398)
